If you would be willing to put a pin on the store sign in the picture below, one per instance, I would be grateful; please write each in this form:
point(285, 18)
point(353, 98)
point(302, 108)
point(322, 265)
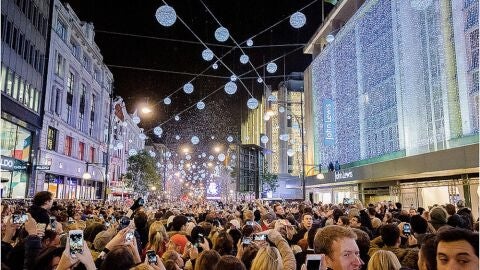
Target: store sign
point(42, 167)
point(11, 164)
point(328, 122)
point(343, 175)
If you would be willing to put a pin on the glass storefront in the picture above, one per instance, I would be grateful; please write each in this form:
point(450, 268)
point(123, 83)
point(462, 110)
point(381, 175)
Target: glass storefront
point(15, 149)
point(64, 187)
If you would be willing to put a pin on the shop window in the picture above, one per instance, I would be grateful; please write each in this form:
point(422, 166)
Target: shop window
point(92, 154)
point(68, 146)
point(3, 78)
point(81, 150)
point(9, 85)
point(52, 139)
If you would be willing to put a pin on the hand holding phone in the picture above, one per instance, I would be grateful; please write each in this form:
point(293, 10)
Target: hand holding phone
point(151, 257)
point(129, 237)
point(313, 261)
point(407, 230)
point(75, 240)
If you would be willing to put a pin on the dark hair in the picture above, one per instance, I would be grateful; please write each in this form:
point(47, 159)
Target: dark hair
point(311, 235)
point(429, 251)
point(247, 230)
point(224, 244)
point(41, 198)
point(420, 210)
point(372, 211)
point(140, 219)
point(450, 209)
point(419, 224)
point(398, 205)
point(49, 235)
point(458, 234)
point(45, 257)
point(249, 253)
point(390, 234)
point(235, 234)
point(119, 257)
point(230, 262)
point(178, 222)
point(207, 260)
point(92, 230)
point(363, 243)
point(345, 220)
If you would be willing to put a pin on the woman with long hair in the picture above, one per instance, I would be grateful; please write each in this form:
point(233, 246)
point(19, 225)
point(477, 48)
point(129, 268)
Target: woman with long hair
point(157, 239)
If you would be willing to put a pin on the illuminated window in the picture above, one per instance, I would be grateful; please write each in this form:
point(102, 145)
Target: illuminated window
point(68, 146)
point(51, 139)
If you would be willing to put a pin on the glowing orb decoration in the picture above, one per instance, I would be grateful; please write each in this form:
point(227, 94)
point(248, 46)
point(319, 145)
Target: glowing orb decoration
point(244, 59)
point(252, 103)
point(272, 98)
point(166, 15)
point(264, 139)
point(230, 88)
point(281, 109)
point(298, 20)
point(167, 101)
point(221, 157)
point(215, 65)
point(249, 42)
point(124, 124)
point(159, 164)
point(158, 131)
point(271, 67)
point(120, 145)
point(204, 155)
point(200, 105)
point(207, 55)
point(130, 141)
point(142, 136)
point(420, 5)
point(211, 157)
point(132, 152)
point(234, 157)
point(195, 140)
point(229, 139)
point(152, 154)
point(177, 137)
point(290, 152)
point(260, 80)
point(170, 166)
point(168, 154)
point(330, 38)
point(188, 88)
point(284, 137)
point(177, 118)
point(222, 34)
point(188, 157)
point(233, 78)
point(212, 188)
point(135, 120)
point(266, 117)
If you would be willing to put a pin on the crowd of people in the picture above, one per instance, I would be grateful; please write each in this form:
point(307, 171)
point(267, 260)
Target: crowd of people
point(45, 233)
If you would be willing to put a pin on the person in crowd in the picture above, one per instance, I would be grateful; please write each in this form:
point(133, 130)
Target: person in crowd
point(157, 239)
point(343, 221)
point(466, 214)
point(338, 245)
point(306, 225)
point(355, 222)
point(172, 255)
point(230, 262)
point(363, 243)
point(223, 244)
point(42, 202)
point(384, 260)
point(141, 229)
point(427, 255)
point(419, 228)
point(389, 239)
point(457, 248)
point(247, 254)
point(178, 243)
point(267, 258)
point(207, 260)
point(48, 258)
point(438, 217)
point(178, 225)
point(279, 211)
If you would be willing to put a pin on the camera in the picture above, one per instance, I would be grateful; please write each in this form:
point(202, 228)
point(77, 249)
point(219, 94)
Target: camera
point(199, 240)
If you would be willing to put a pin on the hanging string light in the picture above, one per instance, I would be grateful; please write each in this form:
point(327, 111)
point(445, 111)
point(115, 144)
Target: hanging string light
point(271, 67)
point(252, 103)
point(230, 88)
point(207, 55)
point(188, 88)
point(167, 101)
point(249, 42)
point(244, 59)
point(200, 105)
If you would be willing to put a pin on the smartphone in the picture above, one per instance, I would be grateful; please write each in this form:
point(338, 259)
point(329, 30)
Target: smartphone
point(313, 261)
point(246, 241)
point(151, 257)
point(71, 220)
point(124, 222)
point(199, 240)
point(260, 237)
point(129, 236)
point(249, 222)
point(141, 202)
point(407, 229)
point(75, 238)
point(53, 223)
point(19, 218)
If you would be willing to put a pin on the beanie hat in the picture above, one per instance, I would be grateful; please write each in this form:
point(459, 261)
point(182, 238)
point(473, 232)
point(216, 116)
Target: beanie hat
point(438, 215)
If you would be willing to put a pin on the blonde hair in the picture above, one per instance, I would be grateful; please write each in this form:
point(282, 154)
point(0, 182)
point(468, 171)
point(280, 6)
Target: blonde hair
point(383, 260)
point(157, 236)
point(267, 258)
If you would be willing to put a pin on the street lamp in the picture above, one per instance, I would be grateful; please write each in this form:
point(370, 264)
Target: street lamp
point(87, 176)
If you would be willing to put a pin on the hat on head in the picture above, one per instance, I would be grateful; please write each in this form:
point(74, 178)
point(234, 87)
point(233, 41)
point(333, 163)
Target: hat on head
point(179, 240)
point(438, 214)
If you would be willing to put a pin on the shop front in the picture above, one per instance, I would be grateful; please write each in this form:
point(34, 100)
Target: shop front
point(63, 187)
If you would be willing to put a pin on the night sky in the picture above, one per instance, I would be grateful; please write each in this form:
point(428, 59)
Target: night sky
point(129, 35)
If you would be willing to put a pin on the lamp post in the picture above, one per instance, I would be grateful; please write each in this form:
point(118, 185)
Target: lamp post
point(87, 176)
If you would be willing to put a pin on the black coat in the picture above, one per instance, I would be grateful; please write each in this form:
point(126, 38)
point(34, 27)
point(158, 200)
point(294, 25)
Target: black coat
point(39, 214)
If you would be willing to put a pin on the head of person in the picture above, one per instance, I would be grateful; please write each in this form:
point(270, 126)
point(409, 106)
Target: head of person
point(343, 221)
point(51, 239)
point(230, 262)
point(457, 249)
point(177, 242)
point(363, 243)
point(120, 257)
point(412, 212)
point(179, 223)
point(157, 235)
point(172, 255)
point(307, 220)
point(43, 199)
point(355, 222)
point(49, 258)
point(140, 219)
point(248, 215)
point(278, 209)
point(207, 260)
point(339, 246)
point(384, 260)
point(427, 254)
point(390, 234)
point(249, 253)
point(267, 258)
point(223, 243)
point(419, 224)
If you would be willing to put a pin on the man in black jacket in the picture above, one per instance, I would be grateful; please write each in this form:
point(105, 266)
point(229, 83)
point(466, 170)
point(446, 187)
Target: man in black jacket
point(42, 202)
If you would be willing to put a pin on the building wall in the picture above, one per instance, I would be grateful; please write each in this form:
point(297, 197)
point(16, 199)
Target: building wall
point(24, 31)
point(77, 110)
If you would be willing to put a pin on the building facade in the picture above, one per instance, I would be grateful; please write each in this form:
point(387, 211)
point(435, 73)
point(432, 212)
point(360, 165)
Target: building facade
point(25, 33)
point(75, 133)
point(393, 82)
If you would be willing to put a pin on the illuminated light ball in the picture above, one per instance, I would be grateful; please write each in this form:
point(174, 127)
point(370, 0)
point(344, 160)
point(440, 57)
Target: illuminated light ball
point(330, 38)
point(272, 98)
point(157, 131)
point(420, 4)
point(120, 145)
point(211, 157)
point(264, 139)
point(233, 78)
point(289, 117)
point(158, 164)
point(168, 154)
point(234, 157)
point(193, 167)
point(195, 140)
point(204, 155)
point(135, 120)
point(177, 137)
point(111, 146)
point(177, 118)
point(252, 103)
point(290, 152)
point(188, 88)
point(229, 139)
point(271, 67)
point(207, 55)
point(170, 166)
point(215, 65)
point(222, 34)
point(298, 20)
point(244, 59)
point(230, 88)
point(260, 80)
point(188, 157)
point(152, 154)
point(166, 15)
point(167, 101)
point(124, 124)
point(283, 137)
point(142, 136)
point(132, 152)
point(201, 105)
point(266, 117)
point(221, 157)
point(130, 141)
point(249, 42)
point(281, 109)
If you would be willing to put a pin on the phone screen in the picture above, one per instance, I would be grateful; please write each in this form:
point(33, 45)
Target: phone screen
point(246, 240)
point(76, 242)
point(406, 229)
point(313, 261)
point(249, 222)
point(52, 223)
point(152, 257)
point(129, 237)
point(199, 240)
point(260, 237)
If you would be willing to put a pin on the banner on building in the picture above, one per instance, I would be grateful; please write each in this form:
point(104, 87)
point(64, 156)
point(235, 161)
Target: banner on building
point(328, 122)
